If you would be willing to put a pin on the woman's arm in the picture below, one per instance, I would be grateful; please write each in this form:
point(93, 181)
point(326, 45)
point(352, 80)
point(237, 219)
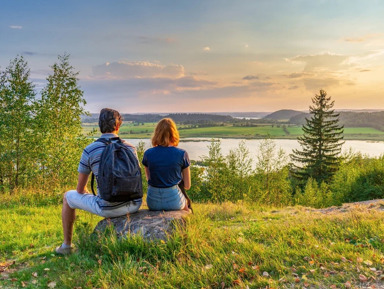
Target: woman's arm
point(146, 173)
point(186, 178)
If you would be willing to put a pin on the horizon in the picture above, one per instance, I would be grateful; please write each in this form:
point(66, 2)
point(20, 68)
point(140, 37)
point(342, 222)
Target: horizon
point(204, 56)
point(223, 112)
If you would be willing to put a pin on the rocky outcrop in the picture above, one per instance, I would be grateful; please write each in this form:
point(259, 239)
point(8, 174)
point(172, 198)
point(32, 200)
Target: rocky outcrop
point(152, 225)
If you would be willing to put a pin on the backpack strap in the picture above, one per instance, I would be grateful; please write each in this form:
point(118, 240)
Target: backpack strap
point(105, 141)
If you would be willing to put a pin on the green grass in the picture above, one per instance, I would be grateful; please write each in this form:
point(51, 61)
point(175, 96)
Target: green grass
point(130, 130)
point(228, 245)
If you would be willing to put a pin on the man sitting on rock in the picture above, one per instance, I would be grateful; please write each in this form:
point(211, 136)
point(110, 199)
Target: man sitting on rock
point(109, 122)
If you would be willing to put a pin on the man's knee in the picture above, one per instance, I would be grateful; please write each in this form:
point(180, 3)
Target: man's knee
point(67, 196)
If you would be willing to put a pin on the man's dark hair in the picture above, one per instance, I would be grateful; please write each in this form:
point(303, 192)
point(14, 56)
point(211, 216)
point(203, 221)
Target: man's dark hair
point(109, 120)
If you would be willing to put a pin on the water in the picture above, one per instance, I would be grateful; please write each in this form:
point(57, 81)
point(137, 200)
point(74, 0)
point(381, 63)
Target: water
point(198, 147)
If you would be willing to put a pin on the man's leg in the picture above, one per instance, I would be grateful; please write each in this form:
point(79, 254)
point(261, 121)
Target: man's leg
point(68, 218)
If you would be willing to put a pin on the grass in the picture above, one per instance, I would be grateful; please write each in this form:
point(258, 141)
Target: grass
point(143, 131)
point(223, 246)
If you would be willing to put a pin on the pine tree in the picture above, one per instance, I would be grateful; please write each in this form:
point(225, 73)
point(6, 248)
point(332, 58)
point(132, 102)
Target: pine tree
point(58, 124)
point(320, 144)
point(17, 97)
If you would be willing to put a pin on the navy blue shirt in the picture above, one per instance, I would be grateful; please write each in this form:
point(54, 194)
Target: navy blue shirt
point(165, 165)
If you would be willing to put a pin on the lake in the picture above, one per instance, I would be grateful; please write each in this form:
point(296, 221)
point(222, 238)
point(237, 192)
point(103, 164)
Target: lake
point(198, 147)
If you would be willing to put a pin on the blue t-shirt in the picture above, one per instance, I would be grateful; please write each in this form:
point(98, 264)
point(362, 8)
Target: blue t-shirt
point(165, 165)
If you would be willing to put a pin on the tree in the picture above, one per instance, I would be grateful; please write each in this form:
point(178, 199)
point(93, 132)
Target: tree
point(272, 175)
point(320, 144)
point(17, 97)
point(58, 124)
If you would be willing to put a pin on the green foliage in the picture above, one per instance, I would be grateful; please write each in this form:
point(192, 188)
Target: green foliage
point(140, 149)
point(314, 195)
point(233, 178)
point(320, 144)
point(17, 97)
point(58, 125)
point(360, 178)
point(42, 139)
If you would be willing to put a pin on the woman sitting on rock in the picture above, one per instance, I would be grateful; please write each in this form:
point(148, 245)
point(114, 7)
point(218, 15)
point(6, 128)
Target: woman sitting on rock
point(166, 166)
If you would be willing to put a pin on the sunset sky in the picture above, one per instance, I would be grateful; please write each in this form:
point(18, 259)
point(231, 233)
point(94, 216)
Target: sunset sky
point(204, 55)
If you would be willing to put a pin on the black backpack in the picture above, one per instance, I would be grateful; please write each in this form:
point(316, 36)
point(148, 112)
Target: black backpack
point(119, 175)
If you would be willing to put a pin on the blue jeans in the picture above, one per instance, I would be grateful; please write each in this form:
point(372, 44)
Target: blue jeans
point(165, 199)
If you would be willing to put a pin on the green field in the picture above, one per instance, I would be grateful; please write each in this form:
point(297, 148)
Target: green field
point(145, 130)
point(223, 246)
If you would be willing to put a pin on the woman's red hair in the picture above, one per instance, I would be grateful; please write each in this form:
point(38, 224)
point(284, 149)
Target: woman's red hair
point(165, 134)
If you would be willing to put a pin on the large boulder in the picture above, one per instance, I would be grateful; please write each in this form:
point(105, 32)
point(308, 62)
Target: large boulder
point(152, 225)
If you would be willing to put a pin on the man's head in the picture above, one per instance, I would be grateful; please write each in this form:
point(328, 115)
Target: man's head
point(110, 120)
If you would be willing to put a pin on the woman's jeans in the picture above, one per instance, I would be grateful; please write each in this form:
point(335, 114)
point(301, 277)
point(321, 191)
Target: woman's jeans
point(165, 199)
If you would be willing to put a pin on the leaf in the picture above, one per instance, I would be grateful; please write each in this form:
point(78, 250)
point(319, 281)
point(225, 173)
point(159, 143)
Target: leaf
point(368, 263)
point(311, 262)
point(265, 274)
point(256, 267)
point(51, 284)
point(348, 284)
point(363, 278)
point(34, 274)
point(209, 266)
point(297, 280)
point(236, 282)
point(46, 269)
point(242, 270)
point(359, 260)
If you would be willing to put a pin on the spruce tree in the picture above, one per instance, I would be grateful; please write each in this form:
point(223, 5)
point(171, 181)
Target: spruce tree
point(320, 144)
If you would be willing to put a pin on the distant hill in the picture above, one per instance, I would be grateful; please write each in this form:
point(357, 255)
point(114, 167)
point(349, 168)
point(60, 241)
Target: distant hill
point(283, 114)
point(350, 119)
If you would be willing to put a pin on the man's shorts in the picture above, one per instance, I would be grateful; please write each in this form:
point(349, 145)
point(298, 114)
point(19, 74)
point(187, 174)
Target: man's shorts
point(100, 207)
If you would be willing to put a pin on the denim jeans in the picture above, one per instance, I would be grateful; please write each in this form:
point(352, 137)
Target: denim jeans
point(165, 199)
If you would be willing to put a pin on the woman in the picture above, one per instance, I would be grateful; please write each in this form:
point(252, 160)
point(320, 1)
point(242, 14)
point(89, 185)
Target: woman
point(166, 166)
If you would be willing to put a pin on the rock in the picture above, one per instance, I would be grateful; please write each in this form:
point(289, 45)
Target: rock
point(152, 225)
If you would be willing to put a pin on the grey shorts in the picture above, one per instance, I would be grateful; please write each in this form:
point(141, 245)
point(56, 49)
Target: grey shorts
point(100, 207)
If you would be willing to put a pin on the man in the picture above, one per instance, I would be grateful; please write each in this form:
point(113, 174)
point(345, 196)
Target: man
point(109, 123)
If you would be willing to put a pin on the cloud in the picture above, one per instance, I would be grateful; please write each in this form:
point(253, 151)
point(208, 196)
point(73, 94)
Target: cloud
point(325, 61)
point(29, 53)
point(250, 77)
point(363, 38)
point(155, 40)
point(16, 27)
point(207, 49)
point(296, 75)
point(140, 69)
point(320, 83)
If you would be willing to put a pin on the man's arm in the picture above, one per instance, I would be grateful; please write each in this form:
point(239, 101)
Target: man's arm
point(82, 183)
point(187, 178)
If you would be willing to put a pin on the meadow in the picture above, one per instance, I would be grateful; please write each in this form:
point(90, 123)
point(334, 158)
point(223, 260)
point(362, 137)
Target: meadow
point(228, 245)
point(145, 130)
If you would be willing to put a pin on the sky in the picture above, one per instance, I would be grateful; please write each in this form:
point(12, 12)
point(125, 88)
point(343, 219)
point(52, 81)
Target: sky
point(204, 55)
